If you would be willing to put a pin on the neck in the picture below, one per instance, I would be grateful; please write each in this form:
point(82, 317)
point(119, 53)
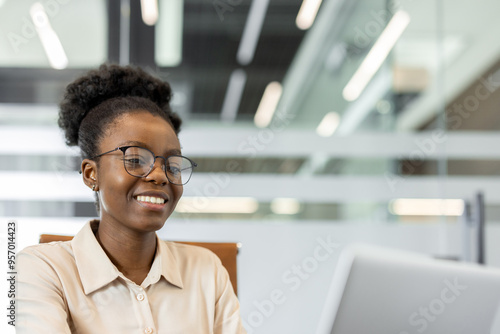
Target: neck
point(131, 252)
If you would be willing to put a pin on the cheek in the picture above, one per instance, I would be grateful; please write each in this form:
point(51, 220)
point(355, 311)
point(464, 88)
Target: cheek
point(114, 190)
point(177, 191)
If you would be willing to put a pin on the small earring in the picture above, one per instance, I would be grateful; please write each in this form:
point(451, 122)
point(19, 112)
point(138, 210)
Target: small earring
point(93, 187)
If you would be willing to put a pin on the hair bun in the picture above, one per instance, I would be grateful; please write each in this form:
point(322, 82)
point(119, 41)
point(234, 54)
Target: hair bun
point(108, 82)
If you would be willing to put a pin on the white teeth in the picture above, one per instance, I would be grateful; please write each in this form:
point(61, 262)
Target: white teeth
point(150, 199)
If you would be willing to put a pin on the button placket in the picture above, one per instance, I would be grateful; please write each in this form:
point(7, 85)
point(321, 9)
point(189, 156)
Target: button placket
point(145, 311)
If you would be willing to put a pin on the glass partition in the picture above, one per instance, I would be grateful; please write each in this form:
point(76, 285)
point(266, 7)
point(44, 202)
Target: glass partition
point(380, 101)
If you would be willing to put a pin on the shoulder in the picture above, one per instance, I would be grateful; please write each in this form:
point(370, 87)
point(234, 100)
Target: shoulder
point(51, 250)
point(53, 254)
point(45, 263)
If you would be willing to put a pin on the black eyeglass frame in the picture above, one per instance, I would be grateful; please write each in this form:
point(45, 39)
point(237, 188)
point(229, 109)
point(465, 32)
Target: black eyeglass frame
point(124, 148)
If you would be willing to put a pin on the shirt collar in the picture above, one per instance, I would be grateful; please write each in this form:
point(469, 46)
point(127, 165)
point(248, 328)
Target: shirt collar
point(166, 263)
point(96, 269)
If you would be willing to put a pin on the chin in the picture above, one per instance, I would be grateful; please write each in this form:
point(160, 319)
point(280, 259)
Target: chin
point(149, 224)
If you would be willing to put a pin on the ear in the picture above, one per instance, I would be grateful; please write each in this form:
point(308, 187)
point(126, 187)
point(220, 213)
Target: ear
point(89, 173)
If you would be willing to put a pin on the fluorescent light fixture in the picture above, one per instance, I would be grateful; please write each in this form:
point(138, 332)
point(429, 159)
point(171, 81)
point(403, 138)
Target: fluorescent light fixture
point(168, 34)
point(234, 91)
point(149, 11)
point(328, 124)
point(217, 205)
point(50, 41)
point(307, 13)
point(376, 56)
point(285, 206)
point(124, 55)
point(252, 30)
point(268, 104)
point(426, 207)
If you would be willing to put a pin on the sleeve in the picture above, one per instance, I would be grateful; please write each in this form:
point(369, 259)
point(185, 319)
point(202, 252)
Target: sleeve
point(41, 306)
point(227, 307)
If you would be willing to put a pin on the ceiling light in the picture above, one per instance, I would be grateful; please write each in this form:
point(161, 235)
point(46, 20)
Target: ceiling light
point(376, 56)
point(268, 104)
point(328, 124)
point(245, 205)
point(307, 13)
point(426, 207)
point(124, 55)
point(168, 33)
point(285, 206)
point(232, 99)
point(149, 11)
point(252, 30)
point(50, 41)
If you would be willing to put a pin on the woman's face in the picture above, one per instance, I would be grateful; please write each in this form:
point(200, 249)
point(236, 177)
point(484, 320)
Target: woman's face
point(119, 191)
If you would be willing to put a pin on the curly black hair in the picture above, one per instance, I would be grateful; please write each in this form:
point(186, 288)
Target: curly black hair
point(92, 102)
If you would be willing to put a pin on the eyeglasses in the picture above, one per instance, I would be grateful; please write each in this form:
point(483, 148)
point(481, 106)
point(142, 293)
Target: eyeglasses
point(139, 162)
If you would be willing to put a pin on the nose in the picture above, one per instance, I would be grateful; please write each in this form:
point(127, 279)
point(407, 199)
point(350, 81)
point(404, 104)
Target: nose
point(158, 173)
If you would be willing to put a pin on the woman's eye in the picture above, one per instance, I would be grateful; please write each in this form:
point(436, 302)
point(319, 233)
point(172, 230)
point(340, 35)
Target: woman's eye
point(135, 161)
point(173, 170)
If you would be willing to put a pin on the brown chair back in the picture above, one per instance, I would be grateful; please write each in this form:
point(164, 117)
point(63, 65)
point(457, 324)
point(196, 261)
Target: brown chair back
point(226, 251)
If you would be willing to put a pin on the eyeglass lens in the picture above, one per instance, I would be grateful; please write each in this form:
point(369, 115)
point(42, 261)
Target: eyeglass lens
point(139, 162)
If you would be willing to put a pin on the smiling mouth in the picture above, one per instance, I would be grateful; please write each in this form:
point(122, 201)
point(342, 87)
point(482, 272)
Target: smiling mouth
point(151, 199)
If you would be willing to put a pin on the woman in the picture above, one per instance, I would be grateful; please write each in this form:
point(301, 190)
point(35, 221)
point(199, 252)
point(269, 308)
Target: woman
point(116, 276)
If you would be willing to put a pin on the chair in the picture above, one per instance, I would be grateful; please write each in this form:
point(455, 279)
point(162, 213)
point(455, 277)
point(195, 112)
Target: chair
point(226, 251)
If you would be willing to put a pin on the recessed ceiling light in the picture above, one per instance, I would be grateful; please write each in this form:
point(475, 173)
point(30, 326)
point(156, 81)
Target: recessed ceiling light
point(268, 104)
point(285, 206)
point(328, 124)
point(426, 207)
point(307, 13)
point(149, 11)
point(251, 32)
point(217, 205)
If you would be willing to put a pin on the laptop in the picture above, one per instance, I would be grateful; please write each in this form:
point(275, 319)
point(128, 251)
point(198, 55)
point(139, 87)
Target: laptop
point(378, 290)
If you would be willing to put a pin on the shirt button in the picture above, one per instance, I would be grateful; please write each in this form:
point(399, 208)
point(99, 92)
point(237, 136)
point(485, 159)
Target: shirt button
point(140, 297)
point(148, 330)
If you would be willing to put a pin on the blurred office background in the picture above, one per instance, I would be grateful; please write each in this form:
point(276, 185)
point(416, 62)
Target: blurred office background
point(314, 124)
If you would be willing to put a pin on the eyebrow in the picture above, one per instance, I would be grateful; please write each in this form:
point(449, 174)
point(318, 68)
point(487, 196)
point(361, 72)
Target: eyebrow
point(139, 143)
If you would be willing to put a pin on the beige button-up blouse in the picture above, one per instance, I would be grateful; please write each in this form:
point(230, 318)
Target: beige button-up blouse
point(73, 287)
